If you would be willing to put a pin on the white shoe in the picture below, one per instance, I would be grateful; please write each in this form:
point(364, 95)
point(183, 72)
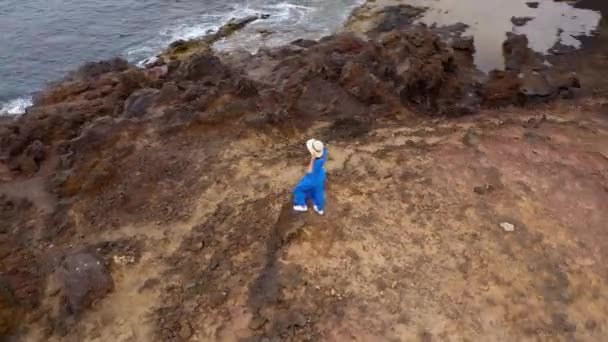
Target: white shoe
point(300, 208)
point(320, 212)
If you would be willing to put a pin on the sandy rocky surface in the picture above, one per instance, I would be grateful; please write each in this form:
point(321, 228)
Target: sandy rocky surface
point(153, 204)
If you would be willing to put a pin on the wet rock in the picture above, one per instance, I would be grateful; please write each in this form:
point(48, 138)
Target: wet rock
point(265, 117)
point(84, 279)
point(350, 127)
point(517, 53)
point(350, 84)
point(123, 260)
point(184, 49)
point(425, 336)
point(520, 21)
point(345, 74)
point(130, 81)
point(360, 83)
point(398, 17)
point(304, 43)
point(507, 227)
point(138, 104)
point(464, 44)
point(451, 31)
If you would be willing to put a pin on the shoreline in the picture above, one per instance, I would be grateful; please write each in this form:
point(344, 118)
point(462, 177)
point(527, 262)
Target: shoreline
point(551, 27)
point(359, 20)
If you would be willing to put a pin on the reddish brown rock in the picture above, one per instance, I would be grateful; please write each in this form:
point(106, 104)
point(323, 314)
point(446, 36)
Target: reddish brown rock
point(138, 103)
point(502, 88)
point(360, 83)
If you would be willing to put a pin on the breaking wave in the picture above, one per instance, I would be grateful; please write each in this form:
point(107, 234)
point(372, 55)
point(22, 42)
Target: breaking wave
point(16, 106)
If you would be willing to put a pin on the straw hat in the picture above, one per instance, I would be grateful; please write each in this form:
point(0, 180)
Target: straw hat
point(315, 147)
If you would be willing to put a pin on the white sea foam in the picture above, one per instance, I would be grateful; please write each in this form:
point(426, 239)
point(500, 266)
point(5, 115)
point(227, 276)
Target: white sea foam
point(187, 30)
point(16, 106)
point(283, 17)
point(289, 20)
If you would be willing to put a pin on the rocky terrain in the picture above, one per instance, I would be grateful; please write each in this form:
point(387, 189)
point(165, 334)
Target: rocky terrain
point(154, 204)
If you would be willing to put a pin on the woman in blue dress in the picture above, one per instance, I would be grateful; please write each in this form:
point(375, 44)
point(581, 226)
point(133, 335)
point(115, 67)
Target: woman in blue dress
point(312, 185)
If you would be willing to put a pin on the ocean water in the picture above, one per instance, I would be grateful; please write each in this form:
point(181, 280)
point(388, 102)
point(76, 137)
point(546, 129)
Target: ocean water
point(41, 40)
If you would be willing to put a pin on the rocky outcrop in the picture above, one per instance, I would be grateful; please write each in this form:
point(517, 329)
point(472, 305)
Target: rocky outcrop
point(138, 103)
point(339, 76)
point(373, 20)
point(520, 21)
point(397, 17)
point(183, 49)
point(58, 114)
point(84, 279)
point(526, 78)
point(21, 273)
point(518, 55)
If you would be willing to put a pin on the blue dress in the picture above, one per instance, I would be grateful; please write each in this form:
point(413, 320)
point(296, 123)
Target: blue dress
point(312, 185)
